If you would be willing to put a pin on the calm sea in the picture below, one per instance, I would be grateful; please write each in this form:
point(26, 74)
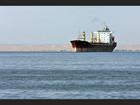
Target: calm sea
point(42, 75)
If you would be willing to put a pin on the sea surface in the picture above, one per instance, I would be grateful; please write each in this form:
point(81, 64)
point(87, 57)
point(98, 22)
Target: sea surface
point(65, 75)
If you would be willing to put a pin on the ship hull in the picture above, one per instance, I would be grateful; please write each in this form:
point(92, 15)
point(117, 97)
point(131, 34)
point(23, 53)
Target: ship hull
point(85, 46)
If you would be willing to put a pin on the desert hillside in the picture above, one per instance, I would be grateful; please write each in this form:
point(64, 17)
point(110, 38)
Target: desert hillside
point(60, 47)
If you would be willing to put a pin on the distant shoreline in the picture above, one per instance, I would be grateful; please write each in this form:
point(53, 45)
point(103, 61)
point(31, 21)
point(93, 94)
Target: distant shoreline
point(58, 48)
point(64, 51)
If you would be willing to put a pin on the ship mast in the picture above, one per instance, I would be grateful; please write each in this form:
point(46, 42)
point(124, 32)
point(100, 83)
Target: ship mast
point(84, 36)
point(91, 37)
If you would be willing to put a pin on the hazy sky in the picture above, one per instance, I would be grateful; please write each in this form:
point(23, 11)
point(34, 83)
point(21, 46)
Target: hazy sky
point(60, 24)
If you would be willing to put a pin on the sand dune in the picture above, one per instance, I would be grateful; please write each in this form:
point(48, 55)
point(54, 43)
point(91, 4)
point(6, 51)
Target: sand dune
point(60, 47)
point(66, 47)
point(132, 47)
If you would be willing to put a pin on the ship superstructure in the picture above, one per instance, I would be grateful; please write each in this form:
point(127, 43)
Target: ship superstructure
point(100, 41)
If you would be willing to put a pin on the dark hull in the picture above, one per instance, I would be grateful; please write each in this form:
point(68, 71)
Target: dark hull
point(85, 46)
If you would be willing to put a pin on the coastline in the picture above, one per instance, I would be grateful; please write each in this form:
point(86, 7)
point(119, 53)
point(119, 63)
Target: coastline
point(57, 48)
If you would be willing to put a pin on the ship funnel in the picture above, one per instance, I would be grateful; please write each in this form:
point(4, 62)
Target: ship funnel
point(91, 37)
point(84, 36)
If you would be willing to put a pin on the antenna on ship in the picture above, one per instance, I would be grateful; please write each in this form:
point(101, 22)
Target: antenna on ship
point(105, 26)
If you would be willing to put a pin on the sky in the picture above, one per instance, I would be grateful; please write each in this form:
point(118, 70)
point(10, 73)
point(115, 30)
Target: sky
point(60, 24)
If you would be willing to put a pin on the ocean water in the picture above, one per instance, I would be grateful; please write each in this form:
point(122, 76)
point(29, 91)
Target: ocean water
point(44, 75)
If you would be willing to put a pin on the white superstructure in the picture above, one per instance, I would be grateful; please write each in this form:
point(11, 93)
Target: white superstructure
point(104, 36)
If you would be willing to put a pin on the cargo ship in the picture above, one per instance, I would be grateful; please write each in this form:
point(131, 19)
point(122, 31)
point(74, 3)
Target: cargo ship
point(100, 41)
